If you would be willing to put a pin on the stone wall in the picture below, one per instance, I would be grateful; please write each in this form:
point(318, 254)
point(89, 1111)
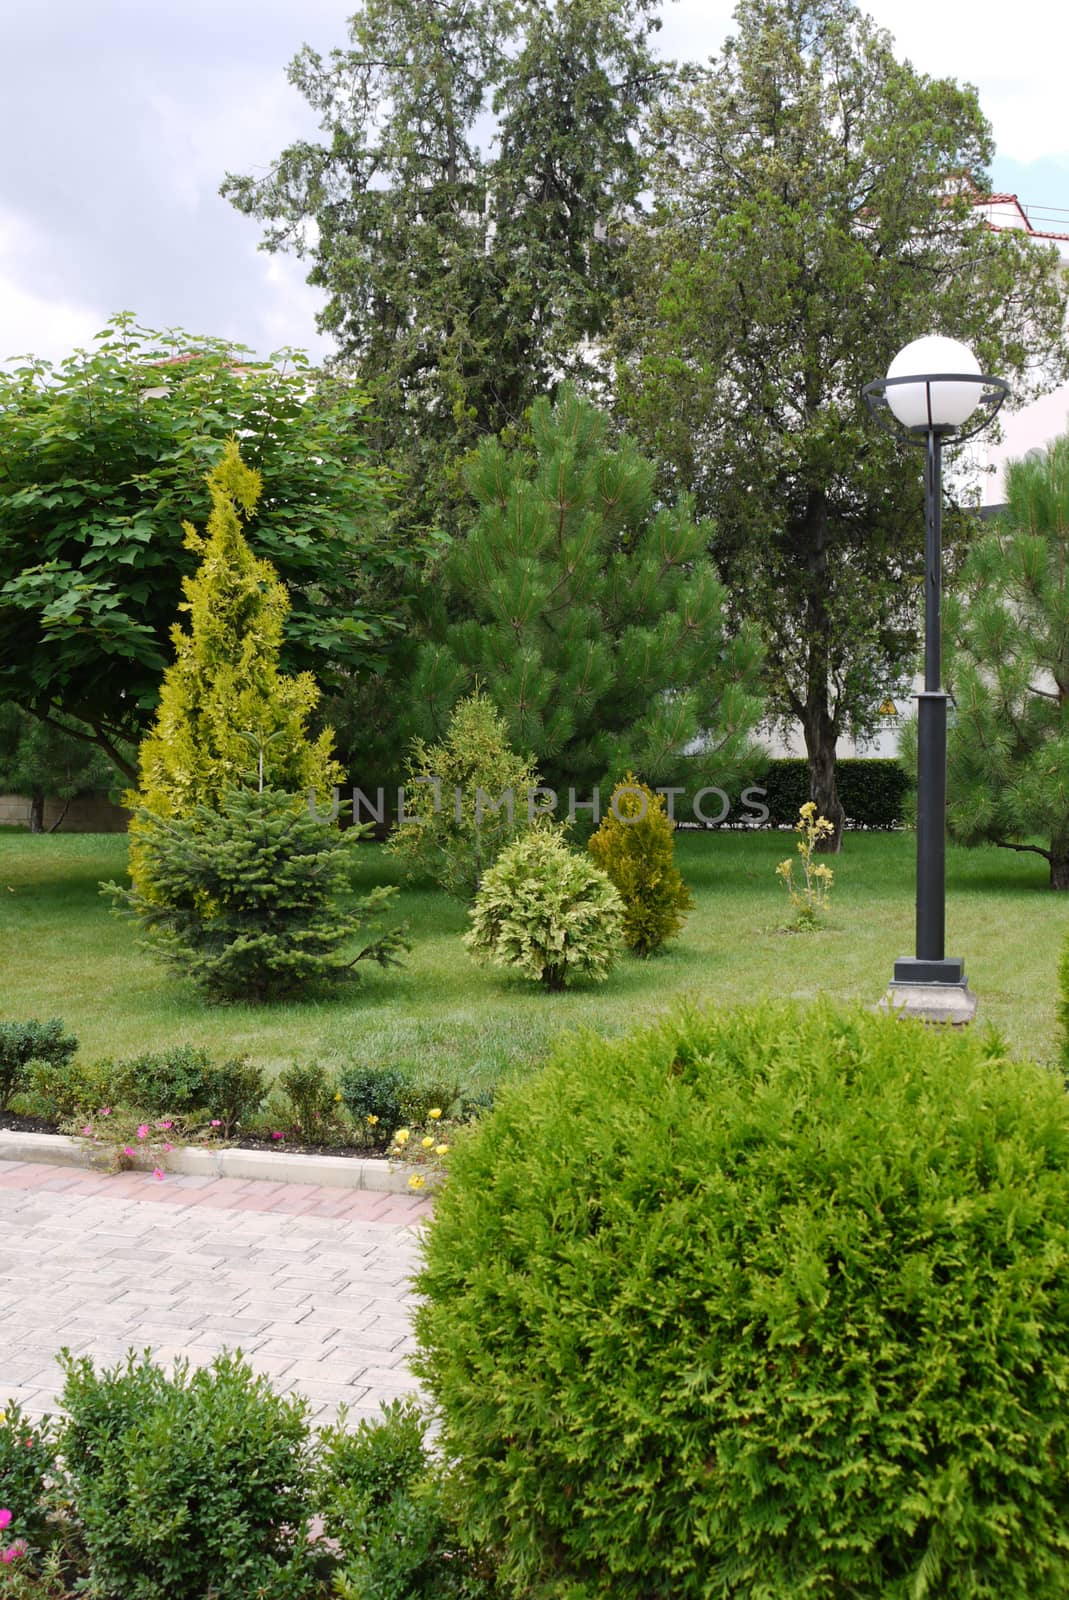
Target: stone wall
point(90, 813)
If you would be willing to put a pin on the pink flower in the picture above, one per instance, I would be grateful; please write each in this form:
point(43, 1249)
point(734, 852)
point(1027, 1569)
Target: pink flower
point(106, 1112)
point(278, 1136)
point(157, 1172)
point(142, 1132)
point(216, 1122)
point(165, 1124)
point(13, 1551)
point(87, 1130)
point(127, 1150)
point(5, 1518)
point(168, 1147)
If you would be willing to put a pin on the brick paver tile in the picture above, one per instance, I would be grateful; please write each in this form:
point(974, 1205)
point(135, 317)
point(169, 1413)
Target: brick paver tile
point(313, 1284)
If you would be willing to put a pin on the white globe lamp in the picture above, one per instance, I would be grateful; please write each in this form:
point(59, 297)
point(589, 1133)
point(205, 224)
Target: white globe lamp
point(935, 400)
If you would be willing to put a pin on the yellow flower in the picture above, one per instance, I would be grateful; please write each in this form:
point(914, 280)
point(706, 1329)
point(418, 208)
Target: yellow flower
point(371, 1121)
point(435, 1113)
point(401, 1136)
point(440, 1149)
point(416, 1182)
point(337, 1097)
point(427, 1143)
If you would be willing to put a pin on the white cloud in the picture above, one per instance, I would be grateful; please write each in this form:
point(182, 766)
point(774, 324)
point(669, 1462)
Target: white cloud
point(36, 322)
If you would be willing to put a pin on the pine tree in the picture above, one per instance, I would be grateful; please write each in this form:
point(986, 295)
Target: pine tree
point(228, 717)
point(595, 622)
point(1007, 633)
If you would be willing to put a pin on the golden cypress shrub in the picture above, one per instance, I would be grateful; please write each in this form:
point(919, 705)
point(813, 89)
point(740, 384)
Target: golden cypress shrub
point(635, 847)
point(228, 717)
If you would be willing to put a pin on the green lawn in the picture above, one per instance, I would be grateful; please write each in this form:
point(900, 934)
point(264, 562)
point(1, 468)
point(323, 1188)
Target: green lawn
point(63, 953)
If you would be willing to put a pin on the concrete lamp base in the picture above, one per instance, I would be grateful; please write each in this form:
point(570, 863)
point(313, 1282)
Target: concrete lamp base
point(948, 1003)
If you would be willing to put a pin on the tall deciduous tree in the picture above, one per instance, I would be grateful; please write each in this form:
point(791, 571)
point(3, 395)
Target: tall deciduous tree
point(101, 460)
point(1008, 668)
point(594, 619)
point(463, 281)
point(813, 216)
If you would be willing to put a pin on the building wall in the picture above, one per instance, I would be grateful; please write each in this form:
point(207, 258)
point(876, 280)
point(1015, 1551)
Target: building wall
point(88, 814)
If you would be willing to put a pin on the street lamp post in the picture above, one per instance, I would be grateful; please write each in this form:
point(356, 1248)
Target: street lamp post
point(931, 396)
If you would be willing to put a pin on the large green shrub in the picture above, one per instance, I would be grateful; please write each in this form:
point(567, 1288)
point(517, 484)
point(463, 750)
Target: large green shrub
point(245, 899)
point(547, 912)
point(194, 1485)
point(772, 1304)
point(635, 848)
point(23, 1042)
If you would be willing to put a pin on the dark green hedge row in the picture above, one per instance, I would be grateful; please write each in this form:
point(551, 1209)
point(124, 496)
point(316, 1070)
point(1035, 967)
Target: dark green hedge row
point(874, 792)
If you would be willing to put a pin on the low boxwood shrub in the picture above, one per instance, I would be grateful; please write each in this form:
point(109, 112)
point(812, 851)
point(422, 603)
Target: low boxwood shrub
point(383, 1502)
point(310, 1089)
point(27, 1469)
point(193, 1485)
point(23, 1042)
point(183, 1081)
point(547, 912)
point(767, 1303)
point(58, 1090)
point(374, 1092)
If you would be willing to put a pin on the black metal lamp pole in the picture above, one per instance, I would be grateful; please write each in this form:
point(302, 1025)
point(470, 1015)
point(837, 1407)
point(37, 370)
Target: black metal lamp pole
point(930, 964)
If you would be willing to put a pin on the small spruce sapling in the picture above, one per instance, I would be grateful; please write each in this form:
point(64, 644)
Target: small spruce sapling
point(245, 898)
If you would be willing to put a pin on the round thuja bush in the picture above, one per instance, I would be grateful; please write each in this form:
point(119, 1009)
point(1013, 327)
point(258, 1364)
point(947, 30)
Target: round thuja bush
point(761, 1304)
point(635, 846)
point(547, 912)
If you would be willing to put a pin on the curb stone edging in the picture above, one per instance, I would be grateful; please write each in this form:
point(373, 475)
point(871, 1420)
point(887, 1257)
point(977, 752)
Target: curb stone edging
point(331, 1172)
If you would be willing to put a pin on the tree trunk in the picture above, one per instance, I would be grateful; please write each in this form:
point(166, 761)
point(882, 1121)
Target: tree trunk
point(820, 739)
point(37, 813)
point(818, 724)
point(1059, 863)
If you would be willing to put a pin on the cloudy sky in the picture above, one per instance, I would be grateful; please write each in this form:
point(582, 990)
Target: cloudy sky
point(119, 118)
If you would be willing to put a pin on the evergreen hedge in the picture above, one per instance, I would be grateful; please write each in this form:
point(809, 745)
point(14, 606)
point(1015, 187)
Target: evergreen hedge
point(767, 1303)
point(875, 793)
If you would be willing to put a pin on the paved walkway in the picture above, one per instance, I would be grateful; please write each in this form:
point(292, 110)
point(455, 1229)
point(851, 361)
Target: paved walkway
point(311, 1283)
